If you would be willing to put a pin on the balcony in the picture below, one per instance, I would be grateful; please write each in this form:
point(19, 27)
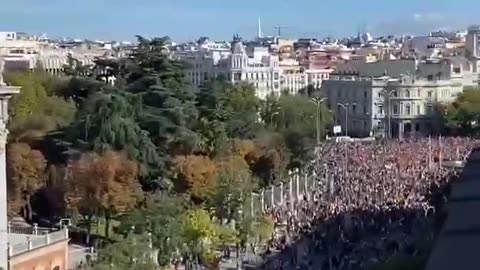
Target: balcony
point(24, 239)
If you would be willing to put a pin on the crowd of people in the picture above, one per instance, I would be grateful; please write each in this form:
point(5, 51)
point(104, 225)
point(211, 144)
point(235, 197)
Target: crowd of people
point(370, 201)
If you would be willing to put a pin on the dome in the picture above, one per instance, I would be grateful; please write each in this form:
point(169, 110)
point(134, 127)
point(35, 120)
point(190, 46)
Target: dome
point(237, 47)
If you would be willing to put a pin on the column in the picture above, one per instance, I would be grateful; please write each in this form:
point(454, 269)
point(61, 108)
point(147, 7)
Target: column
point(5, 93)
point(281, 193)
point(3, 198)
point(272, 196)
point(297, 178)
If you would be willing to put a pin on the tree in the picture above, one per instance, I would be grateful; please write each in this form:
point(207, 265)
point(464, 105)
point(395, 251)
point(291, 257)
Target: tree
point(201, 234)
point(131, 253)
point(108, 122)
point(76, 68)
point(35, 112)
point(242, 107)
point(104, 185)
point(270, 159)
point(464, 112)
point(26, 175)
point(162, 215)
point(168, 103)
point(234, 186)
point(195, 174)
point(296, 121)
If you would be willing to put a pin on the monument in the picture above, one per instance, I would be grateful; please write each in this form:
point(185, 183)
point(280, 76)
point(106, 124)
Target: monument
point(6, 93)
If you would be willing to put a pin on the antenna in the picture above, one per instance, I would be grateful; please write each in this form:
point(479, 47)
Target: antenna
point(279, 29)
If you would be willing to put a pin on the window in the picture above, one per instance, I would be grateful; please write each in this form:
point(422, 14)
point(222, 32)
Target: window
point(395, 109)
point(429, 94)
point(237, 77)
point(275, 76)
point(417, 127)
point(456, 70)
point(418, 92)
point(395, 93)
point(418, 109)
point(430, 77)
point(365, 109)
point(380, 109)
point(354, 108)
point(407, 93)
point(407, 109)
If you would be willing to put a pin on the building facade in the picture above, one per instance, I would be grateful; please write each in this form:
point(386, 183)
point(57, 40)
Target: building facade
point(256, 65)
point(32, 248)
point(393, 98)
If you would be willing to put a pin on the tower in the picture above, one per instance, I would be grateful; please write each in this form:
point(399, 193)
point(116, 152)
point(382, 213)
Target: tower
point(259, 29)
point(5, 93)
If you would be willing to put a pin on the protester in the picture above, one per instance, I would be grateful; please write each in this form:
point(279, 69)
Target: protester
point(370, 201)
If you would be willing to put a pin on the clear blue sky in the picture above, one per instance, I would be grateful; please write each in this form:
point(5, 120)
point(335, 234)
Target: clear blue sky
point(220, 19)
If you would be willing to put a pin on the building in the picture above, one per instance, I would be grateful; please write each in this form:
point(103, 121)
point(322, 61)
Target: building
point(394, 97)
point(32, 248)
point(254, 65)
point(472, 42)
point(272, 69)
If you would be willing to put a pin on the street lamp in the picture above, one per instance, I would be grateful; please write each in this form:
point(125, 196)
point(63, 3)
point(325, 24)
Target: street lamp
point(317, 102)
point(271, 117)
point(345, 107)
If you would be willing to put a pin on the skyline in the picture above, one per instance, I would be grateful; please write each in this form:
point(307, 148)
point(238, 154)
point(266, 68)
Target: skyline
point(188, 19)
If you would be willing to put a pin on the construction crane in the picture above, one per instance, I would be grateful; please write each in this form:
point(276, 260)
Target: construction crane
point(279, 29)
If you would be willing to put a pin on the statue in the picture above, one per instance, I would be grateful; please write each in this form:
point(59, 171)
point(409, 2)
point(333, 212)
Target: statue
point(2, 65)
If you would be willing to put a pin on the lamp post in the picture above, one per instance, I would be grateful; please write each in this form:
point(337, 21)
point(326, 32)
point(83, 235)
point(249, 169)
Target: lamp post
point(317, 102)
point(345, 107)
point(271, 117)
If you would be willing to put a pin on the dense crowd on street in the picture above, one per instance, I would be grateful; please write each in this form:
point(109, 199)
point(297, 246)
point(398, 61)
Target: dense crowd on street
point(370, 201)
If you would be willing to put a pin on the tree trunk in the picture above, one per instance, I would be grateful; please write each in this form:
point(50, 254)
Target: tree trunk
point(28, 206)
point(89, 229)
point(107, 226)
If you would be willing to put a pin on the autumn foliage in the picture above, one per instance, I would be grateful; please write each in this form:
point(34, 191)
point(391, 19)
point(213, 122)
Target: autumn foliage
point(25, 175)
point(195, 174)
point(103, 184)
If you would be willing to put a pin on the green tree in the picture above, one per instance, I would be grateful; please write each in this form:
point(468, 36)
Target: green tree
point(235, 184)
point(463, 113)
point(130, 253)
point(242, 106)
point(162, 215)
point(296, 121)
point(109, 122)
point(35, 111)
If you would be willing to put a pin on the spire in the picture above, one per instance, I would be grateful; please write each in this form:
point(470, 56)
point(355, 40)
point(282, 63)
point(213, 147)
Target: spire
point(259, 29)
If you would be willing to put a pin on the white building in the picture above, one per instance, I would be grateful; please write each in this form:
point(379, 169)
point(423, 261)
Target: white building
point(396, 98)
point(256, 65)
point(472, 42)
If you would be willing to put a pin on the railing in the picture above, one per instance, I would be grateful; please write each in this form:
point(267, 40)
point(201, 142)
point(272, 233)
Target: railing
point(34, 230)
point(296, 186)
point(37, 241)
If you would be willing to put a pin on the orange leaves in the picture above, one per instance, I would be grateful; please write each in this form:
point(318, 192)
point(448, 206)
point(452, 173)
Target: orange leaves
point(195, 174)
point(98, 184)
point(25, 174)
